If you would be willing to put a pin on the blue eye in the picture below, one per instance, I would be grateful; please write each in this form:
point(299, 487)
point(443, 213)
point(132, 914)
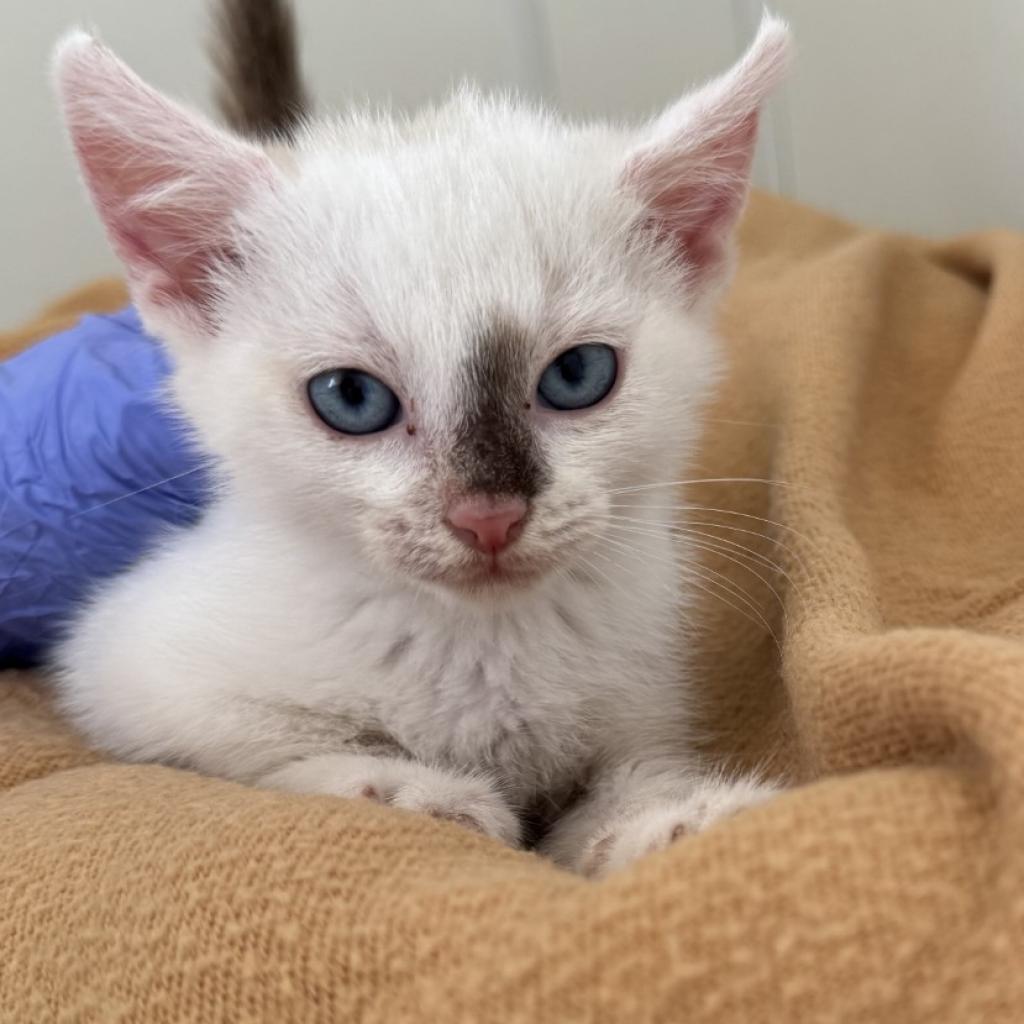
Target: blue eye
point(353, 402)
point(579, 378)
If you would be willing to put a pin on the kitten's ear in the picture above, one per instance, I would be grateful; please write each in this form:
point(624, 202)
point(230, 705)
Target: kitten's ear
point(692, 167)
point(165, 181)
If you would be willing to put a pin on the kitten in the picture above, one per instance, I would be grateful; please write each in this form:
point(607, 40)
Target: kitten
point(430, 358)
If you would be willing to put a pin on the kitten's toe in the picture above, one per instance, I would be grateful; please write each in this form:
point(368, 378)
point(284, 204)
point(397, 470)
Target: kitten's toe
point(659, 826)
point(456, 818)
point(634, 837)
point(594, 863)
point(353, 776)
point(471, 803)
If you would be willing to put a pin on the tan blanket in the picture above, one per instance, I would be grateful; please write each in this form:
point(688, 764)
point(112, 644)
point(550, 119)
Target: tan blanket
point(880, 382)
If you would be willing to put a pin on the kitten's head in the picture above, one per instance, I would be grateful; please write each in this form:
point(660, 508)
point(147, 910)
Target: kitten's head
point(448, 341)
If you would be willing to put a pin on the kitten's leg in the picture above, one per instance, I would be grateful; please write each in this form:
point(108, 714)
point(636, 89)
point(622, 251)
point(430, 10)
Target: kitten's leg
point(634, 810)
point(468, 800)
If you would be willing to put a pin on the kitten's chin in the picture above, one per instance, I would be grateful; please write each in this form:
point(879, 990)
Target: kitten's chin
point(488, 578)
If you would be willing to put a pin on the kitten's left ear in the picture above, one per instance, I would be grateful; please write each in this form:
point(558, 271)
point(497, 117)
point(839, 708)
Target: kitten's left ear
point(165, 181)
point(692, 168)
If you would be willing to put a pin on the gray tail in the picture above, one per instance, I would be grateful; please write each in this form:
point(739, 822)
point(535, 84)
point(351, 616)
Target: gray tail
point(260, 90)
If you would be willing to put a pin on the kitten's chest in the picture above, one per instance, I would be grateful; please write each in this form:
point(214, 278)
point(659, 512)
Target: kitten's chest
point(510, 692)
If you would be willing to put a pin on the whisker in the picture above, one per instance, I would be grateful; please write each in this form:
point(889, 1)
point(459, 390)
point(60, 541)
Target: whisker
point(606, 557)
point(730, 586)
point(795, 555)
point(752, 533)
point(696, 576)
point(132, 494)
point(724, 547)
point(723, 544)
point(721, 511)
point(741, 423)
point(704, 546)
point(701, 480)
point(754, 616)
point(686, 529)
point(631, 569)
point(594, 568)
point(77, 515)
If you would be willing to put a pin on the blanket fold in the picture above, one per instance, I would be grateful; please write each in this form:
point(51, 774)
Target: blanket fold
point(862, 633)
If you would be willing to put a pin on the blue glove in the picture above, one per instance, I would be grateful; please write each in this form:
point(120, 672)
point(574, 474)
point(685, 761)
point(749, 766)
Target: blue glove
point(93, 469)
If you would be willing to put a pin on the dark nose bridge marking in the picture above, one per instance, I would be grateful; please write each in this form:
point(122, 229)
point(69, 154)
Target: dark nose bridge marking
point(495, 451)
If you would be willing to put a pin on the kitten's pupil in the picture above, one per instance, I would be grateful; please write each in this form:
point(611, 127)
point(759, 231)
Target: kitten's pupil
point(571, 366)
point(351, 390)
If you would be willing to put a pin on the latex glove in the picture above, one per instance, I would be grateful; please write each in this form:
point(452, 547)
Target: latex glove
point(94, 467)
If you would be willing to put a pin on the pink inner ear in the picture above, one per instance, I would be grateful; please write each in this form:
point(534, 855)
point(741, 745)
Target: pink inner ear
point(692, 171)
point(169, 227)
point(165, 181)
point(695, 196)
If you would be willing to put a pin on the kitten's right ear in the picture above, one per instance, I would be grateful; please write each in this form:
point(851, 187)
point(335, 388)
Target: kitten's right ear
point(691, 170)
point(165, 181)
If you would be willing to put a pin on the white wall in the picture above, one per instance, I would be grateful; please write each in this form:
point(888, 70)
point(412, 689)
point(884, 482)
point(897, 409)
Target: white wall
point(902, 113)
point(910, 113)
point(50, 238)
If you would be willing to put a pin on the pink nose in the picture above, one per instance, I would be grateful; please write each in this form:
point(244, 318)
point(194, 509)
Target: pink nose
point(486, 525)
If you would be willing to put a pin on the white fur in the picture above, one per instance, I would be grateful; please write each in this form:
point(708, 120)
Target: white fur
point(312, 633)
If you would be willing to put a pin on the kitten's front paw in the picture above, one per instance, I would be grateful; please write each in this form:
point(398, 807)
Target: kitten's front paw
point(659, 825)
point(469, 801)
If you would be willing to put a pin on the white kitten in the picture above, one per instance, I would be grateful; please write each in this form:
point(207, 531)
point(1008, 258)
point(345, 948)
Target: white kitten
point(411, 587)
